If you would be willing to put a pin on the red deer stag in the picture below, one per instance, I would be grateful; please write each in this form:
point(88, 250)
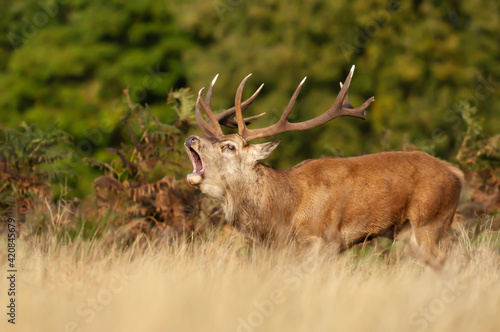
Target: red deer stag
point(336, 201)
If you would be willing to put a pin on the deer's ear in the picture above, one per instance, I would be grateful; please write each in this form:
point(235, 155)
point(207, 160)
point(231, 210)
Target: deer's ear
point(262, 151)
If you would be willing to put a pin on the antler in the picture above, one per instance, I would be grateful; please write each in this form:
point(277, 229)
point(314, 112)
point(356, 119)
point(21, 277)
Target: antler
point(225, 118)
point(341, 107)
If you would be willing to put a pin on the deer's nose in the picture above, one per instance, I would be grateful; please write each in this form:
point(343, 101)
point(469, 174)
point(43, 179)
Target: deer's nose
point(191, 140)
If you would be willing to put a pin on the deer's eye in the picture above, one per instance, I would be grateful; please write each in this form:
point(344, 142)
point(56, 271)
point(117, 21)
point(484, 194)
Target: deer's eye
point(229, 147)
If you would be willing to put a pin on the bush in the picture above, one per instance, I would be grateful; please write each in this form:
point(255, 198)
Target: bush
point(29, 164)
point(479, 158)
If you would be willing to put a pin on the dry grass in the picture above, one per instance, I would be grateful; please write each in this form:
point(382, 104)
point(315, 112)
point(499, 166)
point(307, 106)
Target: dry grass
point(220, 284)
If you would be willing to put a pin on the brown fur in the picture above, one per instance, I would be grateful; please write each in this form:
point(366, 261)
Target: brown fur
point(334, 201)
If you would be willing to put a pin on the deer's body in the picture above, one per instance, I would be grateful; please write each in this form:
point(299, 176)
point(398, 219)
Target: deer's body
point(345, 201)
point(333, 201)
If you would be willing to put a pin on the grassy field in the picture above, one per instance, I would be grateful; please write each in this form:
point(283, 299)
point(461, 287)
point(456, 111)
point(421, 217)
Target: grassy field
point(222, 284)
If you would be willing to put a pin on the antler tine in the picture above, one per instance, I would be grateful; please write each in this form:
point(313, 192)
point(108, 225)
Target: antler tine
point(277, 128)
point(204, 126)
point(226, 118)
point(340, 107)
point(208, 97)
point(342, 102)
point(212, 129)
point(289, 107)
point(347, 108)
point(229, 122)
point(242, 128)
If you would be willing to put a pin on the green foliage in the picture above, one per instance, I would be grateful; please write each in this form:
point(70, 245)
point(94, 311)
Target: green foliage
point(29, 163)
point(478, 150)
point(479, 157)
point(183, 103)
point(74, 67)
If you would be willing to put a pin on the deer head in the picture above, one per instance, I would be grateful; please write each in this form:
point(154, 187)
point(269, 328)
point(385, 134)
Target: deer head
point(222, 161)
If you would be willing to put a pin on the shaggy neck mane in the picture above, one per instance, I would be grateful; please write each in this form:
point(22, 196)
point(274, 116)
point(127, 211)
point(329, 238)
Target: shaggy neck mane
point(250, 203)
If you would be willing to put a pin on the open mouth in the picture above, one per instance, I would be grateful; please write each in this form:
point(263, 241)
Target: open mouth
point(198, 163)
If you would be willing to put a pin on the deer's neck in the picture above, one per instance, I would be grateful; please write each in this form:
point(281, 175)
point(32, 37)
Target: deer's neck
point(261, 205)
